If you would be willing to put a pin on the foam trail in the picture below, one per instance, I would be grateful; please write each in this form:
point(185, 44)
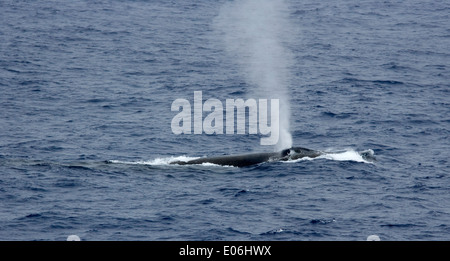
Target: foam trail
point(154, 162)
point(254, 33)
point(163, 161)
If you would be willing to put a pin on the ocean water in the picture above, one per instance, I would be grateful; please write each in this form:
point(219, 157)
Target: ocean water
point(86, 89)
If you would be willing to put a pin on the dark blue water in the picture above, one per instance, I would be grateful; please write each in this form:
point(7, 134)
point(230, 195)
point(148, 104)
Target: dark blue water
point(86, 89)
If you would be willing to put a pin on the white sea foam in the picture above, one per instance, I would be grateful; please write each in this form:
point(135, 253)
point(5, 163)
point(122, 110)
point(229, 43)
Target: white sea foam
point(350, 155)
point(165, 161)
point(347, 155)
point(216, 165)
point(156, 161)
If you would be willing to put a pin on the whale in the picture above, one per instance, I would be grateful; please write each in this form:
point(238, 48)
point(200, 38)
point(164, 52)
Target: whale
point(244, 160)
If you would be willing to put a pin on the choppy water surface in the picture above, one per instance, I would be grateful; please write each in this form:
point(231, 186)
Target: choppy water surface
point(86, 89)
